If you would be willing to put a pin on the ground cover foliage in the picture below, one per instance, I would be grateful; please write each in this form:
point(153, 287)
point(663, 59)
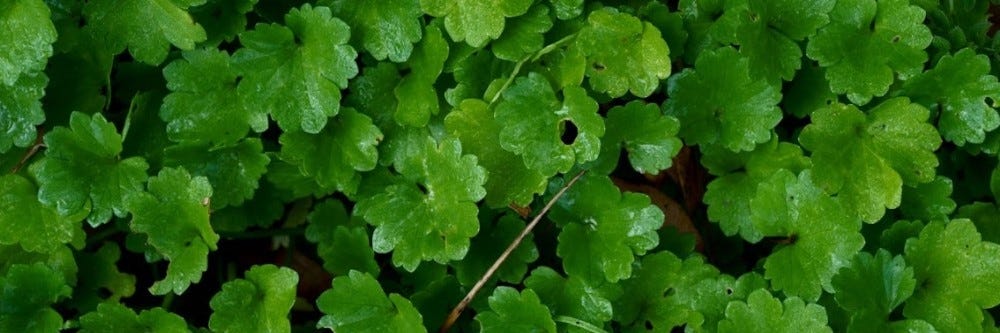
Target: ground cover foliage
point(357, 166)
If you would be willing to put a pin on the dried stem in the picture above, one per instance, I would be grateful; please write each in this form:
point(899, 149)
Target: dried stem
point(453, 316)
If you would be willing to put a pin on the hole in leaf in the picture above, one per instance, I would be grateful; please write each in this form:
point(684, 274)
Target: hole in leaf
point(599, 66)
point(729, 291)
point(569, 132)
point(895, 39)
point(649, 325)
point(422, 188)
point(989, 101)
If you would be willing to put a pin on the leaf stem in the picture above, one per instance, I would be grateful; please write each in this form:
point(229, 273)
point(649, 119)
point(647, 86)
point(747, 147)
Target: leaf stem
point(579, 324)
point(532, 58)
point(453, 316)
point(31, 151)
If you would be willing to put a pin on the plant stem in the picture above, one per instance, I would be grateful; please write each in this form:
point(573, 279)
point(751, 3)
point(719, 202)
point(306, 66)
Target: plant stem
point(453, 316)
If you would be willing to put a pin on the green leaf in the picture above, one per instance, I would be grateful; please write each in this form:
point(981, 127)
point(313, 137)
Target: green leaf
point(524, 35)
point(719, 103)
point(567, 9)
point(416, 95)
point(604, 229)
point(624, 54)
point(115, 317)
point(574, 297)
point(765, 313)
point(432, 215)
point(21, 110)
point(768, 33)
point(868, 43)
point(356, 303)
point(649, 137)
point(223, 20)
point(233, 170)
point(651, 300)
point(341, 242)
point(295, 73)
point(728, 197)
point(146, 27)
point(871, 287)
point(99, 278)
point(928, 201)
point(492, 240)
point(957, 276)
point(961, 88)
point(259, 303)
point(789, 207)
point(174, 215)
point(36, 227)
point(532, 121)
point(203, 106)
point(82, 168)
point(510, 181)
point(705, 301)
point(28, 293)
point(28, 43)
point(60, 259)
point(511, 312)
point(473, 21)
point(386, 29)
point(985, 216)
point(335, 155)
point(866, 158)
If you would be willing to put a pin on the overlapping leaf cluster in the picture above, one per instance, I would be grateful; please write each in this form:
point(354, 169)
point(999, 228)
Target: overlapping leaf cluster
point(393, 149)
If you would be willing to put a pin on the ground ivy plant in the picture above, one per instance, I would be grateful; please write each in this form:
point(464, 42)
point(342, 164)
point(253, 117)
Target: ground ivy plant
point(358, 166)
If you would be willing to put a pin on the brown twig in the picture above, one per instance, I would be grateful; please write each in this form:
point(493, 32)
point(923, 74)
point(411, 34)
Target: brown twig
point(31, 151)
point(457, 311)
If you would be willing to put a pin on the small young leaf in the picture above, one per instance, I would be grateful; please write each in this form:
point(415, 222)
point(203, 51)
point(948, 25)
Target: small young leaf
point(433, 214)
point(604, 229)
point(203, 106)
point(867, 43)
point(341, 242)
point(295, 73)
point(719, 103)
point(335, 155)
point(649, 137)
point(146, 27)
point(961, 87)
point(386, 28)
point(36, 227)
point(473, 21)
point(511, 311)
point(871, 287)
point(175, 217)
point(82, 167)
point(259, 303)
point(624, 54)
point(356, 303)
point(28, 293)
point(115, 317)
point(765, 313)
